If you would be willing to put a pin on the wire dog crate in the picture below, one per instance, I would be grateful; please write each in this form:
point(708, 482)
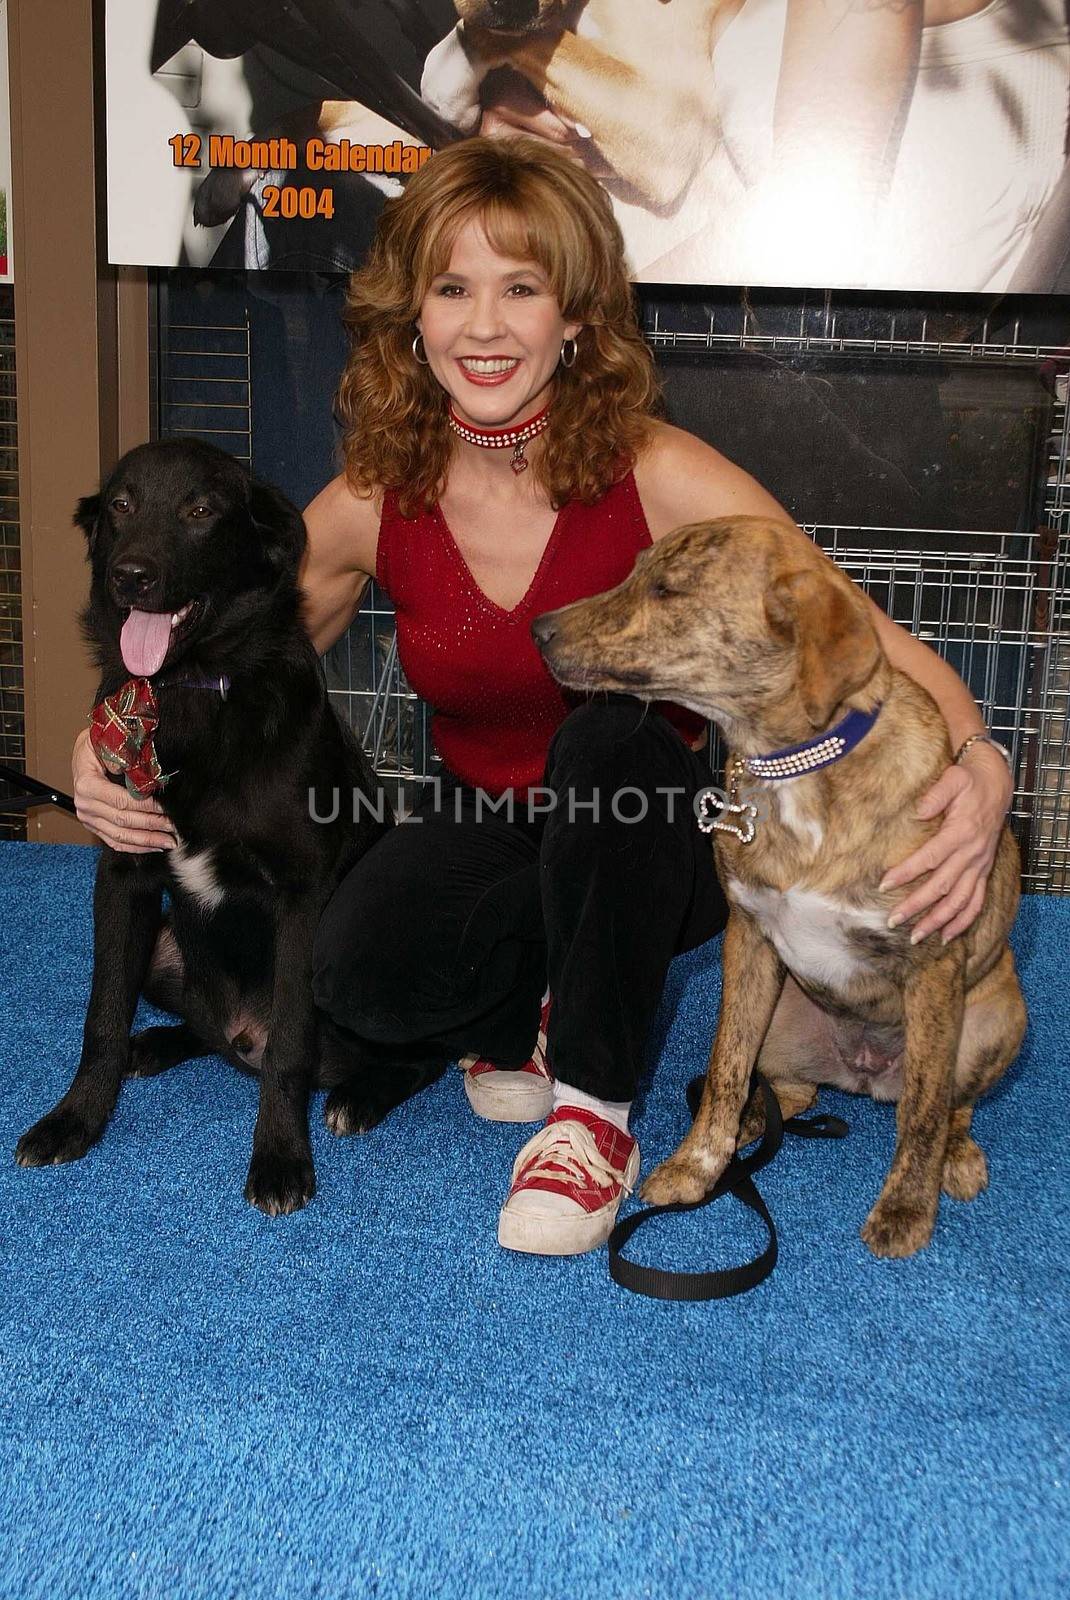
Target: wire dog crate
point(203, 384)
point(996, 605)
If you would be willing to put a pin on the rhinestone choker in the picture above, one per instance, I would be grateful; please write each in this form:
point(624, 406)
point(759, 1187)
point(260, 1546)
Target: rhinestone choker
point(502, 438)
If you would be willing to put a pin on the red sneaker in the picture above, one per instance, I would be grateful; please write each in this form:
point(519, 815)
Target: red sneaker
point(567, 1185)
point(521, 1094)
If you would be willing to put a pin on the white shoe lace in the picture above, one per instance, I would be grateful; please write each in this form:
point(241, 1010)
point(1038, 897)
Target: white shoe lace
point(568, 1144)
point(538, 1055)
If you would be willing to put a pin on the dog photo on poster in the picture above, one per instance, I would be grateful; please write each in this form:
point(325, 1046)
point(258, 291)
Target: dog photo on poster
point(882, 144)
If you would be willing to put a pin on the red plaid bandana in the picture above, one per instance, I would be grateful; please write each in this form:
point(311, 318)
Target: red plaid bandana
point(121, 729)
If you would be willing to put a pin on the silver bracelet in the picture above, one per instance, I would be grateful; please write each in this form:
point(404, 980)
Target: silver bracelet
point(986, 738)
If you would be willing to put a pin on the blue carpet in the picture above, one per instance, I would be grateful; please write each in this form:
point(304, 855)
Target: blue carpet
point(371, 1398)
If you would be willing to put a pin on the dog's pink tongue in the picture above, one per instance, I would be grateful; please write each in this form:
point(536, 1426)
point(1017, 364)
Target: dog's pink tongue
point(144, 641)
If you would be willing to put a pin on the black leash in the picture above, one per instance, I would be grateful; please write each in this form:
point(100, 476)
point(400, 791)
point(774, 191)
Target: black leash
point(34, 793)
point(736, 1180)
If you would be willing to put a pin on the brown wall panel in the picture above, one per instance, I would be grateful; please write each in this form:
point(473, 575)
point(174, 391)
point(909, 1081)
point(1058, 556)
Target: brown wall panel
point(82, 358)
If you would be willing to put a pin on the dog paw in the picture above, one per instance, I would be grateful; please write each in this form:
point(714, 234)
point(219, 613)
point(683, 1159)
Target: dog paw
point(965, 1171)
point(451, 79)
point(371, 1093)
point(61, 1136)
point(679, 1181)
point(148, 1054)
point(280, 1182)
point(752, 1127)
point(351, 1110)
point(896, 1228)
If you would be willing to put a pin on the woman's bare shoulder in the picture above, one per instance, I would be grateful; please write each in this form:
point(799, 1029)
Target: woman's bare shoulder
point(343, 526)
point(683, 479)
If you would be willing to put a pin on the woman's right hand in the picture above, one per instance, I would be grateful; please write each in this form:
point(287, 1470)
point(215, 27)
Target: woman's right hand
point(109, 810)
point(511, 106)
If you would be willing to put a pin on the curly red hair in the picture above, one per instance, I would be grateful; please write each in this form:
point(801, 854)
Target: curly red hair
point(535, 204)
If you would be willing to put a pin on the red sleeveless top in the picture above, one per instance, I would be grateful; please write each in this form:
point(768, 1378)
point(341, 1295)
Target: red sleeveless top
point(495, 704)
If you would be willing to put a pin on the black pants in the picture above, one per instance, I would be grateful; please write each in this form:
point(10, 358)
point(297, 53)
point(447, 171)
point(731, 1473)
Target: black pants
point(446, 933)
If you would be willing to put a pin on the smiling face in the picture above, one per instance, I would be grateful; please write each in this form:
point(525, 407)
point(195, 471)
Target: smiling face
point(492, 332)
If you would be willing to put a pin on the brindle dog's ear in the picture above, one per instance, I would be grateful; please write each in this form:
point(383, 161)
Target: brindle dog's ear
point(282, 527)
point(836, 645)
point(87, 517)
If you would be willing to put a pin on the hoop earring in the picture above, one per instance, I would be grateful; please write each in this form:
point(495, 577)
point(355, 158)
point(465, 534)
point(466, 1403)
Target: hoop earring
point(415, 342)
point(575, 351)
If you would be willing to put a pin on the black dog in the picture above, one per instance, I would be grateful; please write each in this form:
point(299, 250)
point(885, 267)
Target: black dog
point(202, 564)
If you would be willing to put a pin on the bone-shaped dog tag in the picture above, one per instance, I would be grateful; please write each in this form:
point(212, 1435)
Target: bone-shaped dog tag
point(724, 809)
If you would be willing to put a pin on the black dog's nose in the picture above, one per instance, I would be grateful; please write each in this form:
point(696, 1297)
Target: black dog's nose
point(132, 581)
point(508, 14)
point(543, 629)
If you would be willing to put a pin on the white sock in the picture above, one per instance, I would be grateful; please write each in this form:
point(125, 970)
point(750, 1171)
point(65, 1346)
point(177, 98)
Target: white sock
point(614, 1111)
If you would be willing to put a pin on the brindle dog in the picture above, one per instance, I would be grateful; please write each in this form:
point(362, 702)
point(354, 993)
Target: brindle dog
point(757, 629)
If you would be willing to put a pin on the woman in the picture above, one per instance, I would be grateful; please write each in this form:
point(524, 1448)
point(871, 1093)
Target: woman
point(498, 373)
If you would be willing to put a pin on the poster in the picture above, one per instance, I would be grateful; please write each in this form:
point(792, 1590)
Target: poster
point(880, 144)
point(7, 257)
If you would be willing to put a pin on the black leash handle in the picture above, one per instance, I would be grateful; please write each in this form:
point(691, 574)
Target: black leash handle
point(736, 1180)
point(34, 793)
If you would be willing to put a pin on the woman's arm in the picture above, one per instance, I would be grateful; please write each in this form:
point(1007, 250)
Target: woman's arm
point(680, 480)
point(339, 560)
point(848, 69)
point(973, 796)
point(847, 75)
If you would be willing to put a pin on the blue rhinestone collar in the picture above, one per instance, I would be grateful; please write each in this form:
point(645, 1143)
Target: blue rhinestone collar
point(828, 747)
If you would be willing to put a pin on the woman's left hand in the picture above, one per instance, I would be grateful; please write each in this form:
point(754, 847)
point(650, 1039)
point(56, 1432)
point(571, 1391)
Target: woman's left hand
point(974, 797)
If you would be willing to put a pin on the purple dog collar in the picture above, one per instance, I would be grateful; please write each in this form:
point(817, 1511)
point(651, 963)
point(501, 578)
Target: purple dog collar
point(221, 683)
point(828, 747)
